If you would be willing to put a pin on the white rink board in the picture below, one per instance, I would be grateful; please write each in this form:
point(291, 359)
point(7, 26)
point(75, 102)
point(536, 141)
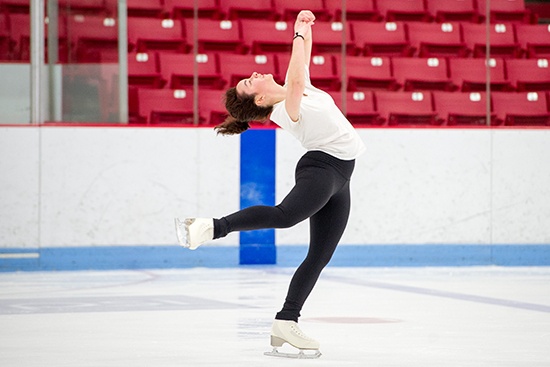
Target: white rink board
point(19, 186)
point(437, 186)
point(521, 189)
point(124, 186)
point(113, 186)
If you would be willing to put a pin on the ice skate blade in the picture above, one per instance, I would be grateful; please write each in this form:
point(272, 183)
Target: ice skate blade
point(299, 355)
point(182, 231)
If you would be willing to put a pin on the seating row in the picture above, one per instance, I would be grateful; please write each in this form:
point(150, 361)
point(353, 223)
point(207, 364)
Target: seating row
point(94, 38)
point(447, 108)
point(217, 71)
point(391, 10)
point(367, 38)
point(368, 107)
point(102, 7)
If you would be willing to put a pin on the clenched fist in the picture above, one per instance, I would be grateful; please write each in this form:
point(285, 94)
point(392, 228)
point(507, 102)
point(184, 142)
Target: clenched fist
point(304, 21)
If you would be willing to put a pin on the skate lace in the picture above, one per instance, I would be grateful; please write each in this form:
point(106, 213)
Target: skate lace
point(299, 332)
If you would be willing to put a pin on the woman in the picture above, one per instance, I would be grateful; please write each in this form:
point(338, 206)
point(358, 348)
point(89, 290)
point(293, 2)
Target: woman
point(322, 191)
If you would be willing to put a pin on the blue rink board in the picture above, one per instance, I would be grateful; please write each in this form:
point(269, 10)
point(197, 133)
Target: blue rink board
point(162, 257)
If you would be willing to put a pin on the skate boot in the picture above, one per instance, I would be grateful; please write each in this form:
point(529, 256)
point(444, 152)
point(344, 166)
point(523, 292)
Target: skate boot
point(284, 331)
point(192, 232)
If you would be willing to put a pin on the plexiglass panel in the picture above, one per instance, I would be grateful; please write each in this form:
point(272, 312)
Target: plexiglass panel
point(83, 60)
point(15, 95)
point(90, 92)
point(367, 54)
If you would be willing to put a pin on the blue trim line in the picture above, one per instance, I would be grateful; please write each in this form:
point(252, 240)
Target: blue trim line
point(425, 255)
point(521, 255)
point(122, 257)
point(166, 257)
point(258, 188)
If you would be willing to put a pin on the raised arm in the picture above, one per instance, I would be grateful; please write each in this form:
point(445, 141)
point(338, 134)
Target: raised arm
point(301, 48)
point(308, 44)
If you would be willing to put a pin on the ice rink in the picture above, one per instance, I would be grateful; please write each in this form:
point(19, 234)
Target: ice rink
point(474, 316)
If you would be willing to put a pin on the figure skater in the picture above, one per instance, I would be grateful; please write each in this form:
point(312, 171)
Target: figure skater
point(322, 189)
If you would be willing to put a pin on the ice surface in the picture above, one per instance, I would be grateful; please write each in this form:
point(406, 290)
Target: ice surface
point(476, 316)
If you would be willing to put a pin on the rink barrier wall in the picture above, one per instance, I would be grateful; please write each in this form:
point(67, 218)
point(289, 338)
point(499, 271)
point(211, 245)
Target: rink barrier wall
point(173, 257)
point(87, 197)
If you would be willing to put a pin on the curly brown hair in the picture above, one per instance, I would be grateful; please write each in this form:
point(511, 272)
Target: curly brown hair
point(242, 110)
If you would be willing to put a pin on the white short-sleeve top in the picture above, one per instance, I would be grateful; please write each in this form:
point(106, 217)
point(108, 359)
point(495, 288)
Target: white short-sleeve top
point(321, 125)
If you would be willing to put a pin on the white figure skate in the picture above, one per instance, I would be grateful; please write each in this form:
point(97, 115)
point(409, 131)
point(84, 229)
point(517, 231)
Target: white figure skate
point(192, 232)
point(283, 331)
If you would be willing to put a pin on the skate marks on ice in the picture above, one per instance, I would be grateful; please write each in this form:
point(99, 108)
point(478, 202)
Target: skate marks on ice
point(111, 304)
point(440, 293)
point(351, 320)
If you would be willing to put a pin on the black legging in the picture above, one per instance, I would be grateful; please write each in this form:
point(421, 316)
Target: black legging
point(322, 194)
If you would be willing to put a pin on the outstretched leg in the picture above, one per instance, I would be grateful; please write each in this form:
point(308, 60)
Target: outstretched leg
point(315, 184)
point(326, 229)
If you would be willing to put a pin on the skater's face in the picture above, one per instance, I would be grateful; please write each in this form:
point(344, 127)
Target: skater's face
point(257, 85)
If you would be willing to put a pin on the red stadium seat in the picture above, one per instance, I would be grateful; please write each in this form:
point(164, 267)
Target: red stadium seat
point(453, 10)
point(20, 35)
point(436, 39)
point(355, 10)
point(15, 6)
point(328, 38)
point(471, 74)
point(216, 35)
point(165, 106)
point(211, 107)
point(156, 34)
point(20, 25)
point(321, 68)
point(462, 108)
point(524, 108)
point(364, 73)
point(145, 8)
point(289, 9)
point(261, 36)
point(143, 70)
point(185, 9)
point(506, 11)
point(322, 72)
point(94, 38)
point(359, 107)
point(84, 7)
point(254, 9)
point(534, 38)
point(403, 10)
point(406, 108)
point(422, 73)
point(177, 70)
point(529, 74)
point(234, 67)
point(382, 39)
point(5, 39)
point(503, 43)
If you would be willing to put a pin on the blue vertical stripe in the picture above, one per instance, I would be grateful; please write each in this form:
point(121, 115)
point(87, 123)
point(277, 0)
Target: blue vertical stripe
point(258, 188)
